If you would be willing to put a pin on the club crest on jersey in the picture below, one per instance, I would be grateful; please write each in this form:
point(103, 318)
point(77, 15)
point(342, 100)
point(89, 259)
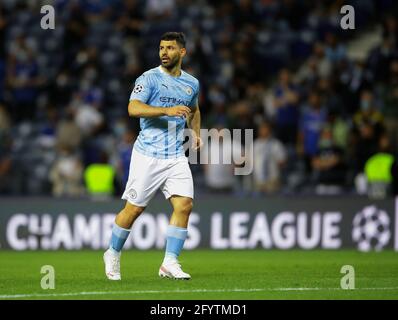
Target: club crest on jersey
point(138, 88)
point(133, 193)
point(188, 90)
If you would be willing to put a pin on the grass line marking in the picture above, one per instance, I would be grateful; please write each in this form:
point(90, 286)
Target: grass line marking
point(133, 292)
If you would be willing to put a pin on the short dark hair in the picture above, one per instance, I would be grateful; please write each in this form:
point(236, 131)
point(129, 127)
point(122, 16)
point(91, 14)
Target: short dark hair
point(179, 37)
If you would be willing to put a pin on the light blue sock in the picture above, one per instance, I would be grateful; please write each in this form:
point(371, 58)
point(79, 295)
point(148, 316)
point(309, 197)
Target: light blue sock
point(119, 237)
point(175, 241)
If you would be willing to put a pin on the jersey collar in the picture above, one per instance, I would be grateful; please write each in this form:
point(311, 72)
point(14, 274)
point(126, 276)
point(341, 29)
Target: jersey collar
point(162, 71)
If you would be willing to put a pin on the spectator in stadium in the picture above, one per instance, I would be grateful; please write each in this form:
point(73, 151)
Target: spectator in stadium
point(88, 117)
point(360, 78)
point(256, 95)
point(96, 11)
point(364, 144)
point(242, 115)
point(76, 30)
point(6, 163)
point(378, 170)
point(87, 65)
point(2, 78)
point(219, 152)
point(340, 129)
point(3, 33)
point(269, 159)
point(100, 178)
point(315, 68)
point(47, 128)
point(4, 22)
point(312, 120)
point(132, 19)
point(292, 12)
point(390, 29)
point(329, 170)
point(66, 175)
point(341, 78)
point(5, 171)
point(218, 113)
point(380, 58)
point(390, 105)
point(23, 78)
point(160, 9)
point(324, 66)
point(125, 148)
point(68, 133)
point(5, 121)
point(368, 113)
point(286, 104)
point(331, 97)
point(335, 50)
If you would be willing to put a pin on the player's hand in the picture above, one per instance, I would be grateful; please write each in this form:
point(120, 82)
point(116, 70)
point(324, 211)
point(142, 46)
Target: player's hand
point(197, 143)
point(178, 111)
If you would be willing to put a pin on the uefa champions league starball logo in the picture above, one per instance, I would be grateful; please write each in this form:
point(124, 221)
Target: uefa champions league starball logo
point(138, 88)
point(371, 229)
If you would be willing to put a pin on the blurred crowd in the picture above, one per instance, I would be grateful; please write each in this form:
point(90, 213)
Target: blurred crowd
point(323, 123)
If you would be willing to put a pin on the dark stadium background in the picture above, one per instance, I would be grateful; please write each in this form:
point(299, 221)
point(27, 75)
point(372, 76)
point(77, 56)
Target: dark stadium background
point(64, 92)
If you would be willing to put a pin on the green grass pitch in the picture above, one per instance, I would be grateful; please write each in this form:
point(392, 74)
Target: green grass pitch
point(256, 274)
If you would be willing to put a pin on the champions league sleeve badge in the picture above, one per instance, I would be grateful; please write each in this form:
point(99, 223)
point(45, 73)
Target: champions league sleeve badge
point(138, 88)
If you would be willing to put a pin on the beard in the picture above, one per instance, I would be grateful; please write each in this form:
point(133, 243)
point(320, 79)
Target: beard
point(170, 64)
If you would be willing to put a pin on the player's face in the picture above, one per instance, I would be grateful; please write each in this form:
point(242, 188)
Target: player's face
point(170, 53)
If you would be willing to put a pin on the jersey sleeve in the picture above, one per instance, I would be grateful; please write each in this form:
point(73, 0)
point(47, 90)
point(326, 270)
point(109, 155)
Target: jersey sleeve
point(195, 98)
point(142, 89)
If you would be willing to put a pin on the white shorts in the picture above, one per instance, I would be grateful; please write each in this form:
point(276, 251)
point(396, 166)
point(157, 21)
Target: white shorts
point(148, 174)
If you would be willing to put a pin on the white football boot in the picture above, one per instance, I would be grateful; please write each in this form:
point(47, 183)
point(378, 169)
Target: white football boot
point(112, 265)
point(170, 268)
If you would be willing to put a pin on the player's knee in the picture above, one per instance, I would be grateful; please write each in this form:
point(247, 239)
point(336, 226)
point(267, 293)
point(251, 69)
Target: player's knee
point(185, 207)
point(132, 211)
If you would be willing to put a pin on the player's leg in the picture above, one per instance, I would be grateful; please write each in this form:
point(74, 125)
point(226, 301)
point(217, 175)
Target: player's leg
point(123, 223)
point(145, 179)
point(175, 237)
point(120, 232)
point(178, 189)
point(177, 230)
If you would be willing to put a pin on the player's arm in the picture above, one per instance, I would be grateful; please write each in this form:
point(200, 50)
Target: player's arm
point(137, 108)
point(193, 120)
point(193, 123)
point(141, 94)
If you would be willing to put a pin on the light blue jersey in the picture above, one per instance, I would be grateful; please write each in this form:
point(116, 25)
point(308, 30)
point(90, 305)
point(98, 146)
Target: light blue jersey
point(162, 137)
